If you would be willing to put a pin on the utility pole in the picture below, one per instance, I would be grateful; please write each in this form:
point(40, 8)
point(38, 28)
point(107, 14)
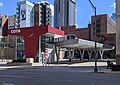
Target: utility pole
point(94, 9)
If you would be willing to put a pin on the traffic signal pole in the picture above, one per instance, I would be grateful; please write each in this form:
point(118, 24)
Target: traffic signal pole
point(94, 9)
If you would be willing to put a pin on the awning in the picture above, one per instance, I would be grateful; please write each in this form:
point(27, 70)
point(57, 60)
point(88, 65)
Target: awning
point(83, 44)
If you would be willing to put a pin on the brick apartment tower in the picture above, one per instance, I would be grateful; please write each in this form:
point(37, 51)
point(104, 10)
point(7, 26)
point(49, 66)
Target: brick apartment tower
point(105, 31)
point(42, 14)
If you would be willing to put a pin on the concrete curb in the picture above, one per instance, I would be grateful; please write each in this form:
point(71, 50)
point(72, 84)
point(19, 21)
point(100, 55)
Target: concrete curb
point(84, 66)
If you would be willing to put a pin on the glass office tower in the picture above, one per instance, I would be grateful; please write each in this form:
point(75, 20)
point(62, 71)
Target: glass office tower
point(64, 13)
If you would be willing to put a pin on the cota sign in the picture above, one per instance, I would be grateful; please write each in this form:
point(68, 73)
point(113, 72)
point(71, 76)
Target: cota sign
point(15, 31)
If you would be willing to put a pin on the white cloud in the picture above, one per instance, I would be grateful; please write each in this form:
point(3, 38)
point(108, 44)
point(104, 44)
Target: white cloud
point(1, 4)
point(113, 5)
point(76, 9)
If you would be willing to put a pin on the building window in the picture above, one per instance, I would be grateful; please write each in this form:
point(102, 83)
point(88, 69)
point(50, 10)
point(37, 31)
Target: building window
point(111, 44)
point(59, 6)
point(72, 37)
point(10, 40)
point(32, 16)
point(48, 12)
point(67, 12)
point(110, 39)
point(41, 13)
point(47, 39)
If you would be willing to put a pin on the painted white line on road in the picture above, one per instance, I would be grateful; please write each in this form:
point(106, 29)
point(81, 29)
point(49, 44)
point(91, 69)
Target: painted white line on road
point(7, 84)
point(2, 69)
point(12, 76)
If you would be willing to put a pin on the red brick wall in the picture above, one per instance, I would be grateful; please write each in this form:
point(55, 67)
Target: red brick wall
point(108, 26)
point(82, 33)
point(107, 29)
point(111, 39)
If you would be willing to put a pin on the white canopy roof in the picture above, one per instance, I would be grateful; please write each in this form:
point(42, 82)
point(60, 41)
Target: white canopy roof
point(83, 44)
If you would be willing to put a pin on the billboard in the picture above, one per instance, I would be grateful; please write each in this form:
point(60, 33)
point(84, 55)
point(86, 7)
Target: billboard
point(23, 12)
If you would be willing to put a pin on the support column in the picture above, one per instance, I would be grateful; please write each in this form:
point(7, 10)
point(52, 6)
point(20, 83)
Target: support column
point(117, 32)
point(82, 54)
point(57, 51)
point(95, 55)
point(16, 47)
point(31, 44)
point(40, 54)
point(72, 55)
point(89, 53)
point(101, 54)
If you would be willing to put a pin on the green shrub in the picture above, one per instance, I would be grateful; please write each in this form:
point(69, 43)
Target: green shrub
point(19, 60)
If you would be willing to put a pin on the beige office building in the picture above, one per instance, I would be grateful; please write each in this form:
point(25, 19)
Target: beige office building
point(118, 32)
point(12, 21)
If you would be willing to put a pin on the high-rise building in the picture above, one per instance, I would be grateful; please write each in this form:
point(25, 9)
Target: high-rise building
point(42, 14)
point(25, 14)
point(12, 21)
point(3, 24)
point(6, 48)
point(11, 40)
point(117, 32)
point(104, 27)
point(113, 17)
point(64, 12)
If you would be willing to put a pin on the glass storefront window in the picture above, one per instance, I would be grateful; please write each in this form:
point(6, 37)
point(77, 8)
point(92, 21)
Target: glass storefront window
point(20, 47)
point(48, 39)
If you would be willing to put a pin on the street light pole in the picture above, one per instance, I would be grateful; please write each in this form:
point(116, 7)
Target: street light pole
point(94, 9)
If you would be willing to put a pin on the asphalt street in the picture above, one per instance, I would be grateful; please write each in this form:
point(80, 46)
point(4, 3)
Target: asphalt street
point(56, 76)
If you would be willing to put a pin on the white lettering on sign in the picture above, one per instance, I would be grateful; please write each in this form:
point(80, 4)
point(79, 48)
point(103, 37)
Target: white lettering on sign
point(16, 31)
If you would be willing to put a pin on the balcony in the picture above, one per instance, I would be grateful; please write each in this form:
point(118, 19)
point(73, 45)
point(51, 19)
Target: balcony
point(15, 23)
point(18, 17)
point(18, 12)
point(18, 25)
point(17, 8)
point(18, 21)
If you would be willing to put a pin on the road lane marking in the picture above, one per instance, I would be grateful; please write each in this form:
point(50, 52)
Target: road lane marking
point(7, 84)
point(12, 76)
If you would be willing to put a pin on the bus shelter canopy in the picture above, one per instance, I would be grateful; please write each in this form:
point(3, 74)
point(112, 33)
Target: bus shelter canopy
point(83, 44)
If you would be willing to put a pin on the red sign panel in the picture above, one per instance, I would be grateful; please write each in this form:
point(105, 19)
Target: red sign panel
point(31, 35)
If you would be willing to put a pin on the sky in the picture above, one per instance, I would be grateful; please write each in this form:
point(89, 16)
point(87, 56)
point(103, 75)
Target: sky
point(83, 9)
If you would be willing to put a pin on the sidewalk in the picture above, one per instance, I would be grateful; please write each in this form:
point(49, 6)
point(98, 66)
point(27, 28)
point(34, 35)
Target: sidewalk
point(80, 64)
point(3, 66)
point(82, 67)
